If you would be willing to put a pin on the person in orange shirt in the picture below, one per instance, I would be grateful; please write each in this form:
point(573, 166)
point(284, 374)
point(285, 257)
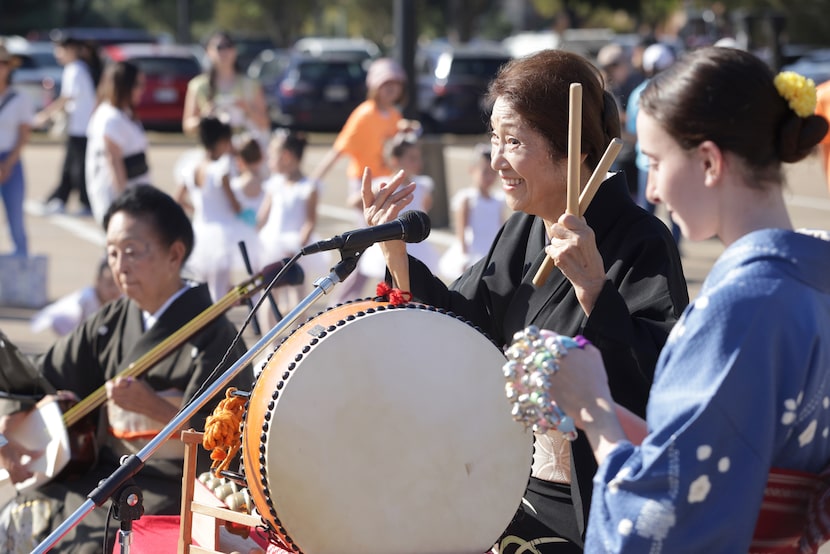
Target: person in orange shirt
point(823, 109)
point(363, 138)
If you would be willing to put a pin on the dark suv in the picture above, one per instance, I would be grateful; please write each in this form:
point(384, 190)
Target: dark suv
point(452, 81)
point(317, 93)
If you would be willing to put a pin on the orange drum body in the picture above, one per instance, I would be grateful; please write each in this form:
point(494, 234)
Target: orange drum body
point(385, 429)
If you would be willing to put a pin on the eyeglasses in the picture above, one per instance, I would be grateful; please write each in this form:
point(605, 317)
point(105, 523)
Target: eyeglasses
point(224, 46)
point(132, 252)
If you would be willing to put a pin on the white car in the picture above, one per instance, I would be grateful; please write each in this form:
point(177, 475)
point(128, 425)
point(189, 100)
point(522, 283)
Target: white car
point(359, 48)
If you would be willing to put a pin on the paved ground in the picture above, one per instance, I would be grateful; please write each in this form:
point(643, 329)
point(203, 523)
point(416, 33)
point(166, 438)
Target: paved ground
point(74, 244)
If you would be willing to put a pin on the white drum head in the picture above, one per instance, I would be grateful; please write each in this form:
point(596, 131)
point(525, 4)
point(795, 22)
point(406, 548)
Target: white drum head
point(393, 435)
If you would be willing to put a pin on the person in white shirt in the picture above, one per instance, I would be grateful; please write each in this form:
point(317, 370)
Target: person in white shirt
point(478, 213)
point(66, 313)
point(15, 118)
point(77, 100)
point(116, 153)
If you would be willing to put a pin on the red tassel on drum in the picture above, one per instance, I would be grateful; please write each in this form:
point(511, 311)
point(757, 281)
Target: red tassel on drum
point(392, 295)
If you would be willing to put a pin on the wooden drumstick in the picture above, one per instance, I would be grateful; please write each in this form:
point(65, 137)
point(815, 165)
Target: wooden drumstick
point(599, 173)
point(574, 161)
point(587, 195)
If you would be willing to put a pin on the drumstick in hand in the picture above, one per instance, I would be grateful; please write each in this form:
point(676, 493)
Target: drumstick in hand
point(599, 174)
point(585, 198)
point(574, 161)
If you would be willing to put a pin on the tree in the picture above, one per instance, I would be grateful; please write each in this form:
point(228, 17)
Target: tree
point(24, 16)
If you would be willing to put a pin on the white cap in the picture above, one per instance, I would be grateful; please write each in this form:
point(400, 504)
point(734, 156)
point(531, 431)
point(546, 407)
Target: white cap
point(657, 57)
point(728, 42)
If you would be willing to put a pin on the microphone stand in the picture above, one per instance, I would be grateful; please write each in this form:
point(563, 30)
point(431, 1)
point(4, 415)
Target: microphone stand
point(130, 465)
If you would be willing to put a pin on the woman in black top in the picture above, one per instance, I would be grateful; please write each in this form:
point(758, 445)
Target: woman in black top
point(619, 280)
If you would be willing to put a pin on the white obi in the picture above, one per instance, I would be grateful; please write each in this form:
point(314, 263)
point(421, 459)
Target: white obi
point(129, 432)
point(551, 457)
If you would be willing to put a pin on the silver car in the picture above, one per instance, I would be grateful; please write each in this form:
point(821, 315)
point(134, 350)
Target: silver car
point(39, 73)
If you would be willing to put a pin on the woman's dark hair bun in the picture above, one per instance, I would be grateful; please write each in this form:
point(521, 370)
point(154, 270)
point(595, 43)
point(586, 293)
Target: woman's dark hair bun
point(799, 135)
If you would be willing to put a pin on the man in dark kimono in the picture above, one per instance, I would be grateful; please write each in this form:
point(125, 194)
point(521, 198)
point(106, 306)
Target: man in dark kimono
point(149, 238)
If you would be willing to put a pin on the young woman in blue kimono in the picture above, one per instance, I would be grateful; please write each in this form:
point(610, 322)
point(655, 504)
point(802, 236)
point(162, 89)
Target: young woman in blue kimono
point(738, 419)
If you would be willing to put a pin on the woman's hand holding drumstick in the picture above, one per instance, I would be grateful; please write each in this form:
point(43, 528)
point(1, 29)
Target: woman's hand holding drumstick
point(574, 161)
point(585, 198)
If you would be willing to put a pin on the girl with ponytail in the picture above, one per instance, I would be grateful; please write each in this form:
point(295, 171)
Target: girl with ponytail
point(737, 449)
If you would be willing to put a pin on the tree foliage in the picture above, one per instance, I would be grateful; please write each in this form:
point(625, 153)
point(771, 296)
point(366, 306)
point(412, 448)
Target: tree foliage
point(284, 22)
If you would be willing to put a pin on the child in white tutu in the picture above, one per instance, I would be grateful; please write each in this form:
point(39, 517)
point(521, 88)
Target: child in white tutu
point(478, 213)
point(206, 193)
point(247, 185)
point(288, 215)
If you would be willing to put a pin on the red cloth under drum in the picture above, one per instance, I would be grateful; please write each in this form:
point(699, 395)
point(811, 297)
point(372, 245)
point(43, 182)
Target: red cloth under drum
point(155, 534)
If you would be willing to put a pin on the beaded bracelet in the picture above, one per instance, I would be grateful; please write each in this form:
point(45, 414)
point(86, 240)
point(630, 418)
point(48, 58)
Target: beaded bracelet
point(532, 360)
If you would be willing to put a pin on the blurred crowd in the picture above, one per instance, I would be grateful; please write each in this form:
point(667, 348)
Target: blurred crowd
point(244, 183)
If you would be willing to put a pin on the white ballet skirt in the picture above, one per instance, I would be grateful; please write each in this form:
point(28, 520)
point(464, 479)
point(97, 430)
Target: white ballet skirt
point(216, 229)
point(279, 237)
point(372, 263)
point(485, 217)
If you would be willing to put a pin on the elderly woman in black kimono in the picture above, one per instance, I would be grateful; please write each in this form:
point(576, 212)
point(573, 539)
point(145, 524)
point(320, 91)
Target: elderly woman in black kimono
point(149, 238)
point(619, 280)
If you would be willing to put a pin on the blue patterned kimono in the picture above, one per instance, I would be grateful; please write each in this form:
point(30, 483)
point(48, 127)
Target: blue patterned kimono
point(742, 386)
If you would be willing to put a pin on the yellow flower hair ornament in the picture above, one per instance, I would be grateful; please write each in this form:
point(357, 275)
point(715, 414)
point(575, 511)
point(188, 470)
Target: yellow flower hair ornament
point(798, 91)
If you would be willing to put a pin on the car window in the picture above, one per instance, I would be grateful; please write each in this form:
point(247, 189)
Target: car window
point(319, 71)
point(26, 62)
point(153, 67)
point(45, 59)
point(273, 68)
point(473, 67)
point(426, 66)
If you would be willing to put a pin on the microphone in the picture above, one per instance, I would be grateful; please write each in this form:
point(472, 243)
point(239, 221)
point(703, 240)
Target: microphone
point(411, 226)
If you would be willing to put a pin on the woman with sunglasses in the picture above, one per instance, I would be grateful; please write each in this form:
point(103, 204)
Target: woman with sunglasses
point(224, 93)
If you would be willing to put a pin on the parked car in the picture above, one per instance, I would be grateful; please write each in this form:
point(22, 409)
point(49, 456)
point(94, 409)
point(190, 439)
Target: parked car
point(39, 73)
point(317, 93)
point(451, 82)
point(168, 68)
point(268, 68)
point(814, 65)
point(247, 48)
point(359, 48)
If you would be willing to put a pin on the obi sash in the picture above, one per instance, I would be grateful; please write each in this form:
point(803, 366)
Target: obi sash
point(129, 432)
point(795, 513)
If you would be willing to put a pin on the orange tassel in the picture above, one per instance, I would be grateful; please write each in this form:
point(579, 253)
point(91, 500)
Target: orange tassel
point(223, 431)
